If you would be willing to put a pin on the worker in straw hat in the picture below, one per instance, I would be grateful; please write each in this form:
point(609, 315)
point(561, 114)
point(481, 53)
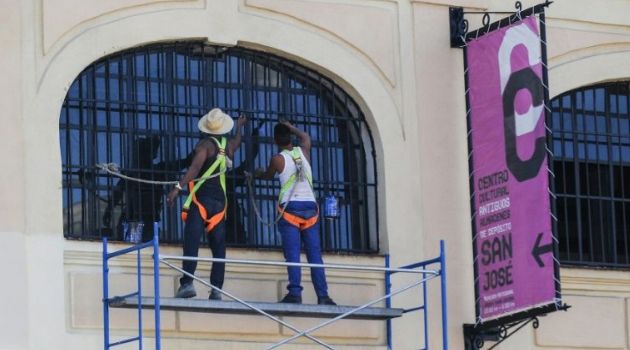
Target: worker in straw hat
point(204, 209)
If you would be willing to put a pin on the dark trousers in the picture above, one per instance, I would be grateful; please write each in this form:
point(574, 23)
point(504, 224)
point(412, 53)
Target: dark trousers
point(193, 230)
point(292, 239)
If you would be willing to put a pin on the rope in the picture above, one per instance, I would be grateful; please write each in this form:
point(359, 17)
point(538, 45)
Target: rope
point(250, 189)
point(113, 169)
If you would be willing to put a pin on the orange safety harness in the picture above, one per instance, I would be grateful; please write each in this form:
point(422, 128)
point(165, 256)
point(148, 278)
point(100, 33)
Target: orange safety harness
point(221, 164)
point(298, 221)
point(299, 175)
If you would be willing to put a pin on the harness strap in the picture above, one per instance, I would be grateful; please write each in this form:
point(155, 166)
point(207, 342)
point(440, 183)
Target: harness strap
point(300, 222)
point(220, 162)
point(296, 156)
point(214, 220)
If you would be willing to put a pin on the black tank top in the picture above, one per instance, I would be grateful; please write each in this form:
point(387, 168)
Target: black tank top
point(211, 187)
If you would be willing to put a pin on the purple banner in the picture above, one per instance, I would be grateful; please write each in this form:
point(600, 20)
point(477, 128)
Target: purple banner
point(513, 235)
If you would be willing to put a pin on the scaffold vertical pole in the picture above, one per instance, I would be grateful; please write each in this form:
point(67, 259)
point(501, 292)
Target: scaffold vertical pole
point(105, 297)
point(425, 314)
point(139, 276)
point(156, 284)
point(388, 302)
point(444, 302)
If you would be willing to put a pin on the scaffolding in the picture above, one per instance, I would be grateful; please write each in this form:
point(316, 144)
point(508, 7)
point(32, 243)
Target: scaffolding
point(273, 311)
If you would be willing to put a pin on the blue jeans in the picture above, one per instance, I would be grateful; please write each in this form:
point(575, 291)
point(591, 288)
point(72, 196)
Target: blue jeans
point(291, 244)
point(216, 238)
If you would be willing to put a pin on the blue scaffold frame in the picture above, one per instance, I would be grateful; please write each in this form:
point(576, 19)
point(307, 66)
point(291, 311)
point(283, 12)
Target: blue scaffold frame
point(138, 293)
point(441, 260)
point(419, 268)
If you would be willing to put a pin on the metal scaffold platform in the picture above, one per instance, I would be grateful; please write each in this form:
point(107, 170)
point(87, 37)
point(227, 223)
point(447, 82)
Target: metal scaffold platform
point(273, 311)
point(277, 309)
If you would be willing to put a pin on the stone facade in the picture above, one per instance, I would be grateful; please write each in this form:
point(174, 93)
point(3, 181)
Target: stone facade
point(392, 56)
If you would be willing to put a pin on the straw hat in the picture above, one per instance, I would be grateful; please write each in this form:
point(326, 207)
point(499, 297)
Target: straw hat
point(216, 122)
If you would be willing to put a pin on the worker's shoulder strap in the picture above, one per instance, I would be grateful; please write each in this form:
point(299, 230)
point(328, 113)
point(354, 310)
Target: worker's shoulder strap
point(295, 153)
point(220, 158)
point(219, 163)
point(220, 144)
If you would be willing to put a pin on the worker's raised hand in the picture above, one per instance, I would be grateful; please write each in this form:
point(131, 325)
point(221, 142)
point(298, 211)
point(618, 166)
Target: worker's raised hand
point(291, 127)
point(241, 120)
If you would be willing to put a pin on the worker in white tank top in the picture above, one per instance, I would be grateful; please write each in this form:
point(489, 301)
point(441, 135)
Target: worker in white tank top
point(300, 218)
point(299, 189)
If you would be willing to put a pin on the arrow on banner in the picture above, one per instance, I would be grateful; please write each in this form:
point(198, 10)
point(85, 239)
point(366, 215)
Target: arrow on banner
point(539, 250)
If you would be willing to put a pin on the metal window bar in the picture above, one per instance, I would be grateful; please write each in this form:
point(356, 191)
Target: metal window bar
point(160, 90)
point(595, 207)
point(416, 268)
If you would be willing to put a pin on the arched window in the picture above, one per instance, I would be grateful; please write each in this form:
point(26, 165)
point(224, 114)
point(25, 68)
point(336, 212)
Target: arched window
point(591, 144)
point(139, 109)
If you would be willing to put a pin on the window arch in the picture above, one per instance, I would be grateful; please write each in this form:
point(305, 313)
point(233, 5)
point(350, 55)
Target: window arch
point(139, 109)
point(591, 145)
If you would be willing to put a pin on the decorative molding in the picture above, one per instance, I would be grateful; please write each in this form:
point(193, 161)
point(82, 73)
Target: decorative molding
point(596, 281)
point(51, 36)
point(611, 12)
point(471, 4)
point(583, 36)
point(383, 59)
point(46, 54)
point(582, 53)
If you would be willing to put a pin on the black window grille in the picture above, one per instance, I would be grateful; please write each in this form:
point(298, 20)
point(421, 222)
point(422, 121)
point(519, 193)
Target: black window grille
point(591, 144)
point(139, 109)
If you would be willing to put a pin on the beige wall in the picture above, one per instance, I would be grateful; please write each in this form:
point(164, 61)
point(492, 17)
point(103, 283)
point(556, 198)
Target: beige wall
point(393, 57)
point(13, 330)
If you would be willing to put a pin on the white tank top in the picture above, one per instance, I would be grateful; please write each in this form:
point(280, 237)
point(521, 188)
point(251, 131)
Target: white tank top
point(303, 191)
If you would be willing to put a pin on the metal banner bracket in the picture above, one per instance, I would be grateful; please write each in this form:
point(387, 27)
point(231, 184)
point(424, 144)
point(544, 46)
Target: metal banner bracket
point(476, 335)
point(459, 24)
